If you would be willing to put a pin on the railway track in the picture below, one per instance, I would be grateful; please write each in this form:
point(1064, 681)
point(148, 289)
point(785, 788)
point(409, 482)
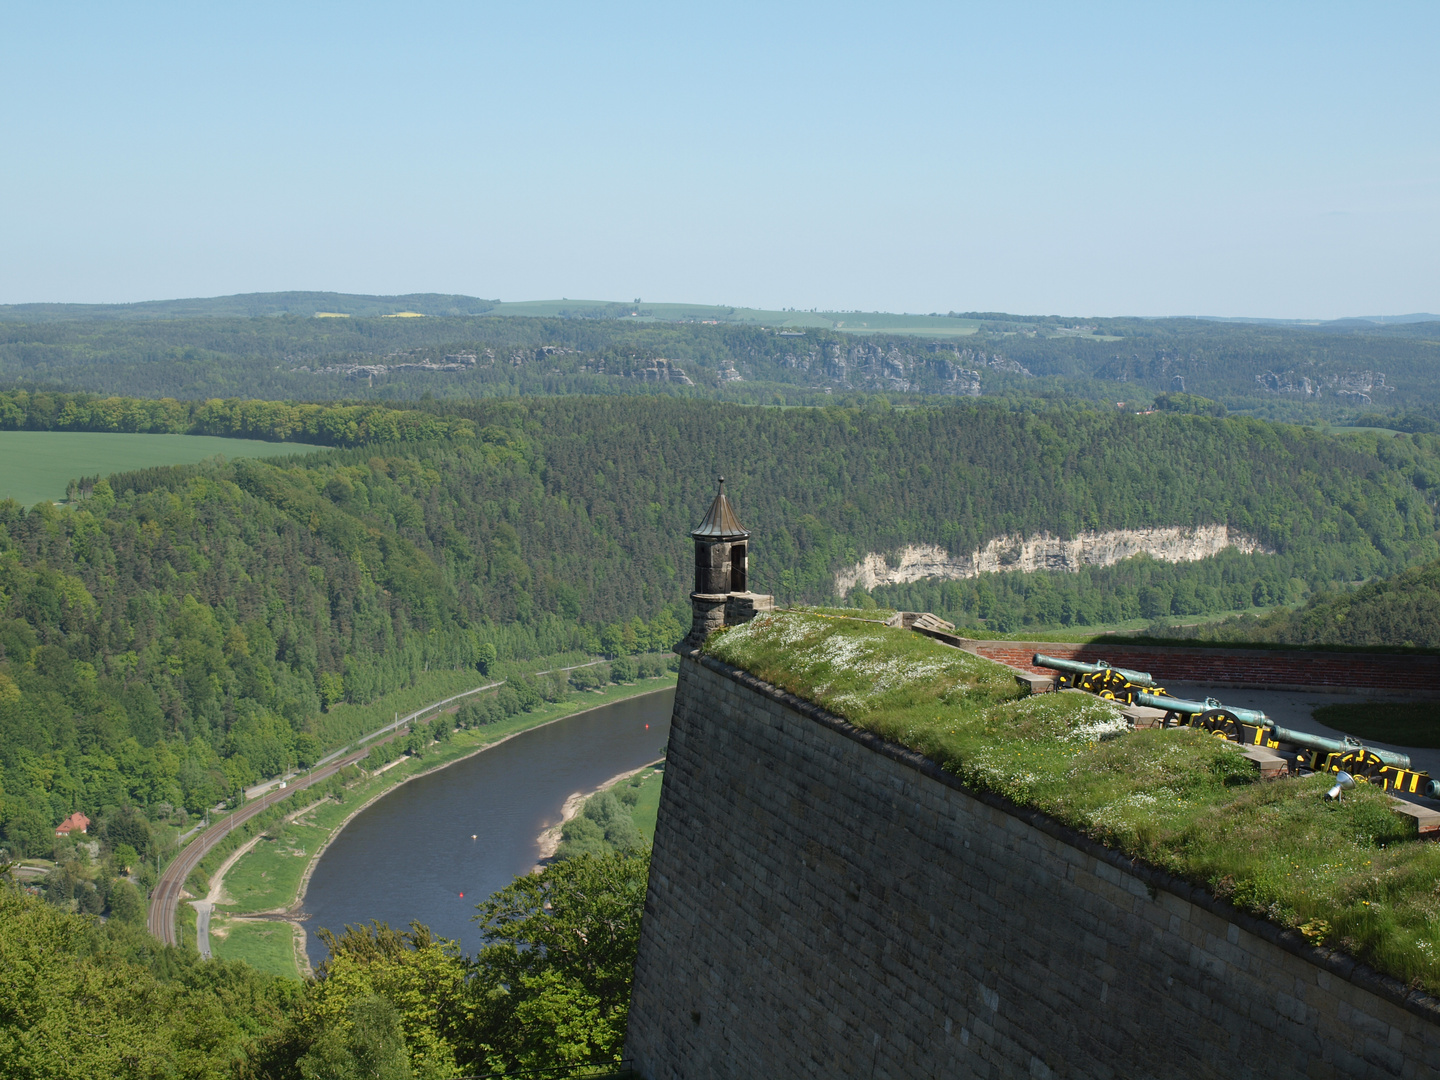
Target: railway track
point(165, 897)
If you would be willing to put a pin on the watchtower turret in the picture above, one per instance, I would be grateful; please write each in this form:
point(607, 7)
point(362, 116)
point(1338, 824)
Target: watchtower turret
point(722, 569)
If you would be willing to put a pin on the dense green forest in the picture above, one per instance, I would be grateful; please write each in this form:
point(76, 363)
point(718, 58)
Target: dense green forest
point(82, 999)
point(550, 989)
point(181, 631)
point(259, 347)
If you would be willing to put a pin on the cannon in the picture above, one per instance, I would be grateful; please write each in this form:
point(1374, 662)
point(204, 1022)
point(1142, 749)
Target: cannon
point(1246, 726)
point(1249, 727)
point(1099, 678)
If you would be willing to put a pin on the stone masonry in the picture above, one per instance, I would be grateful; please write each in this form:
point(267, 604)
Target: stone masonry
point(826, 904)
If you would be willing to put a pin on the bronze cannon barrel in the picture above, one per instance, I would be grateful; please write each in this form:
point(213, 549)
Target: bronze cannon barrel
point(1076, 667)
point(1174, 704)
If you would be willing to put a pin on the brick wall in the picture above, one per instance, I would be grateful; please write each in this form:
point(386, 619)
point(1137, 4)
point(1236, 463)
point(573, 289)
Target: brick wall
point(825, 904)
point(1278, 669)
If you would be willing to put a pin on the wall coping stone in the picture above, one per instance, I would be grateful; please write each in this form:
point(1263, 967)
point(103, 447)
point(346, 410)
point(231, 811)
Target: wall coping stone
point(1334, 961)
point(1203, 648)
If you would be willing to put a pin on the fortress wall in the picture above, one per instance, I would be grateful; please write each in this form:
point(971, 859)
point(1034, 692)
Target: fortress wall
point(1391, 675)
point(825, 904)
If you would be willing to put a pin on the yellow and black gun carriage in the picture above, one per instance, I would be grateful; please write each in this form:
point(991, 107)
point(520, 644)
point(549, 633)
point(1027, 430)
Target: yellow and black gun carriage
point(1388, 769)
point(1099, 678)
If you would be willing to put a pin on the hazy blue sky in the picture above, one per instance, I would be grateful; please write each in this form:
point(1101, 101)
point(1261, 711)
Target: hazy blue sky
point(1155, 158)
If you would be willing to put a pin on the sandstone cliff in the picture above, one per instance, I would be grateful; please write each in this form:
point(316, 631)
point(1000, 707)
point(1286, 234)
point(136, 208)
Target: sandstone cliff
point(1045, 552)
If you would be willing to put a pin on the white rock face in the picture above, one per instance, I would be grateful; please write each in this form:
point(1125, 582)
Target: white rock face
point(1044, 552)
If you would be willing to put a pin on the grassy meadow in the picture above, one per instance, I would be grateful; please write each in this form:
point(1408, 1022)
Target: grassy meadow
point(268, 875)
point(36, 465)
point(647, 806)
point(266, 945)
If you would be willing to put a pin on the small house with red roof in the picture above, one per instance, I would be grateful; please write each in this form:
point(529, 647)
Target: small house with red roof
point(75, 823)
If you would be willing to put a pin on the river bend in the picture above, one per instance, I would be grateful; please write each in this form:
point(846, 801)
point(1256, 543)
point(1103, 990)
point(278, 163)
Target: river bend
point(410, 855)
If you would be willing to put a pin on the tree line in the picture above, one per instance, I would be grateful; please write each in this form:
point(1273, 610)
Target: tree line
point(272, 421)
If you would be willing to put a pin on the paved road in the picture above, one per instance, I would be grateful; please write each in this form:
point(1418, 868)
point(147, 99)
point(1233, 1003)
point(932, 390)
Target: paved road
point(202, 926)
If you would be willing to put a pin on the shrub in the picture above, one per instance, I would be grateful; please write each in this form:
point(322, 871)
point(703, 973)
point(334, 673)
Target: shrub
point(584, 678)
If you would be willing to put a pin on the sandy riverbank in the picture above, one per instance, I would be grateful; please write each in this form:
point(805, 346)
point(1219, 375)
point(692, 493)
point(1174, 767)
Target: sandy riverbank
point(549, 840)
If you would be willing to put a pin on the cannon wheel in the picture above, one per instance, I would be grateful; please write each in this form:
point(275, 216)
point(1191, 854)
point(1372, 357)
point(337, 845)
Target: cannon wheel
point(1222, 724)
point(1364, 765)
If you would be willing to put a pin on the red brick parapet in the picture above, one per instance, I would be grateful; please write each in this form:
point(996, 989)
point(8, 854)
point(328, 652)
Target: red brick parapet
point(1392, 674)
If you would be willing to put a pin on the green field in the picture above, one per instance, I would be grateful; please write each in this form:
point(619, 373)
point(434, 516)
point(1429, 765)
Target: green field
point(647, 807)
point(265, 946)
point(268, 875)
point(36, 465)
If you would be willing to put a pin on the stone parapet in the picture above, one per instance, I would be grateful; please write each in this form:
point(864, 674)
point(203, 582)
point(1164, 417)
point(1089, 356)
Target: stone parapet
point(742, 607)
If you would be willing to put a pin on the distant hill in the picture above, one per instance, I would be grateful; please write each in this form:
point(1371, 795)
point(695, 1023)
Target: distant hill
point(1356, 372)
point(256, 305)
point(307, 304)
point(1403, 610)
point(1359, 322)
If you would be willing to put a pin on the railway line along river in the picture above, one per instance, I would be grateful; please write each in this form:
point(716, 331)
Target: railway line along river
point(410, 856)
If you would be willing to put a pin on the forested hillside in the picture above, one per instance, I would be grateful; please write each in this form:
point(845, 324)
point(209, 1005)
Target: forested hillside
point(1334, 372)
point(179, 633)
point(1403, 610)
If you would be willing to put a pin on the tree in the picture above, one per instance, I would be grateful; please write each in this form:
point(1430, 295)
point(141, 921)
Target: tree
point(370, 1047)
point(380, 995)
point(126, 858)
point(525, 691)
point(485, 657)
point(604, 825)
point(552, 984)
point(125, 903)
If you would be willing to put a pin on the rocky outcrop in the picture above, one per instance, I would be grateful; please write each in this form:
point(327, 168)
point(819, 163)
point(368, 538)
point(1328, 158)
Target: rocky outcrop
point(1174, 544)
point(661, 371)
point(1355, 386)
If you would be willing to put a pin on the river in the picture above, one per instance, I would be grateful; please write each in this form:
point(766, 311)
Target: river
point(410, 855)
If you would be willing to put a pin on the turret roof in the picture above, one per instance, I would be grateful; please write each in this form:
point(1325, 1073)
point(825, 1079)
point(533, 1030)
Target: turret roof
point(720, 522)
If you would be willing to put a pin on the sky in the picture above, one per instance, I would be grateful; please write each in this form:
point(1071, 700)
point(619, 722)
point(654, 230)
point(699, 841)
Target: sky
point(1275, 160)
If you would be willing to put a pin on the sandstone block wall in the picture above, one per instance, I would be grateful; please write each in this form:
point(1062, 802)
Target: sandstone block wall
point(824, 904)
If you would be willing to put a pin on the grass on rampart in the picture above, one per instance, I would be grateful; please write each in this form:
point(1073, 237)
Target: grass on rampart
point(1348, 875)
